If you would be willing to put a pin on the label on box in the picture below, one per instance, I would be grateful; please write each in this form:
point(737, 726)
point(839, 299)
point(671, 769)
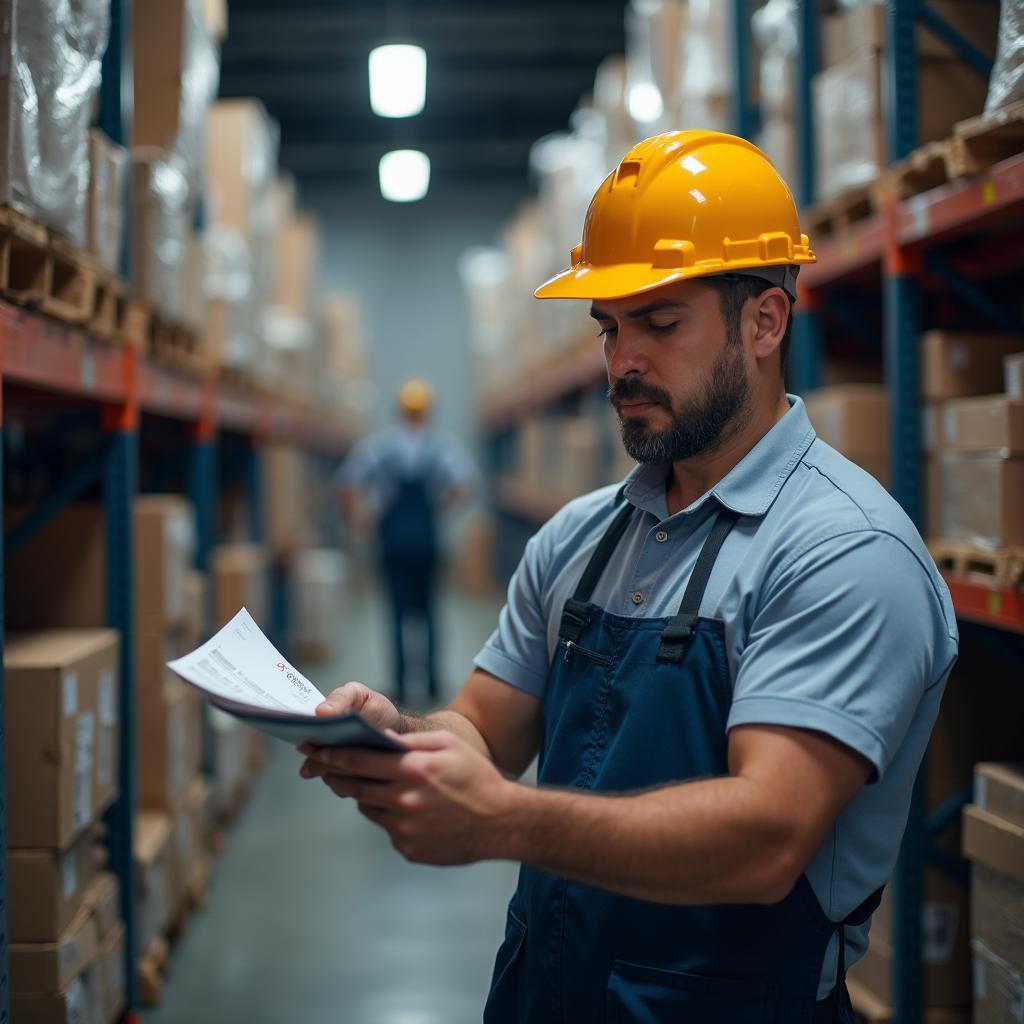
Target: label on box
point(108, 708)
point(83, 768)
point(68, 876)
point(70, 694)
point(959, 356)
point(938, 931)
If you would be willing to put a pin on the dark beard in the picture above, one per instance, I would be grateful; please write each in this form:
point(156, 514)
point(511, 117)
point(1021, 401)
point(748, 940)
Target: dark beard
point(719, 411)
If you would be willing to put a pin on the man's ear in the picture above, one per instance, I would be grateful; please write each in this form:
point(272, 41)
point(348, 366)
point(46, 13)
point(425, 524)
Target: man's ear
point(771, 313)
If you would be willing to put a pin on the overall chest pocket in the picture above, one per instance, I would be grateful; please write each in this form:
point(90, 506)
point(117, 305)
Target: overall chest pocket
point(651, 995)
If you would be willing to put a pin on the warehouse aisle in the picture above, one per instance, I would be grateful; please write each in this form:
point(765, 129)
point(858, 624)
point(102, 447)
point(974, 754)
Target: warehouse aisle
point(313, 917)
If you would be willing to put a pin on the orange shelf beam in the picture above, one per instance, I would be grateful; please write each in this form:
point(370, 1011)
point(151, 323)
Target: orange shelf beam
point(991, 606)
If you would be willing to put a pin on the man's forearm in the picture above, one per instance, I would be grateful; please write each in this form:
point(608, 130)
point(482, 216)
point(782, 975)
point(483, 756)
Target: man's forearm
point(454, 722)
point(712, 841)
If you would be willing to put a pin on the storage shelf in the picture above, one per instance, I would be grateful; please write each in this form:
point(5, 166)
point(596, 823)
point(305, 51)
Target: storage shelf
point(991, 606)
point(545, 386)
point(49, 356)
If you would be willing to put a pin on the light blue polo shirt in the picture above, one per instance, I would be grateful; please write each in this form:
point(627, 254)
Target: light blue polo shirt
point(835, 619)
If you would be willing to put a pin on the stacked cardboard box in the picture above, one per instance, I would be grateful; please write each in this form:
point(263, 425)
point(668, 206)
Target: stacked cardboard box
point(287, 492)
point(973, 436)
point(61, 722)
point(108, 169)
point(994, 842)
point(978, 721)
point(854, 419)
point(849, 93)
point(775, 31)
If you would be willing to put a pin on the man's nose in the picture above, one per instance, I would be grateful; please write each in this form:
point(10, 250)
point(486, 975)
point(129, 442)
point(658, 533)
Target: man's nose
point(626, 354)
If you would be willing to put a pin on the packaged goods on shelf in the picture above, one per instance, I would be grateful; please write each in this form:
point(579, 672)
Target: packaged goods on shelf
point(318, 579)
point(345, 388)
point(957, 364)
point(164, 550)
point(655, 42)
point(610, 99)
point(994, 841)
point(485, 273)
point(46, 888)
point(708, 75)
point(777, 139)
point(152, 855)
point(80, 1002)
point(170, 745)
point(475, 570)
point(854, 419)
point(297, 250)
point(194, 627)
point(51, 74)
point(239, 579)
point(287, 485)
point(228, 291)
point(977, 497)
point(850, 140)
point(112, 992)
point(103, 898)
point(193, 310)
point(62, 733)
point(932, 426)
point(774, 28)
point(580, 452)
point(47, 969)
point(160, 223)
point(1013, 376)
point(1006, 85)
point(230, 749)
point(108, 168)
point(177, 71)
point(188, 842)
point(991, 423)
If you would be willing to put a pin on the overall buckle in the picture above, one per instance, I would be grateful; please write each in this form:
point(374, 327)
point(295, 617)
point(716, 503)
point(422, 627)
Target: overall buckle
point(575, 619)
point(675, 639)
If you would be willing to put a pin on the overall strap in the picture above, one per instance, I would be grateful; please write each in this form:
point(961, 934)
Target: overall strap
point(677, 633)
point(574, 613)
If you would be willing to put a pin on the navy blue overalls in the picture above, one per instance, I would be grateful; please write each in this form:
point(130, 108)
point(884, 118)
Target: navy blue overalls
point(631, 704)
point(408, 549)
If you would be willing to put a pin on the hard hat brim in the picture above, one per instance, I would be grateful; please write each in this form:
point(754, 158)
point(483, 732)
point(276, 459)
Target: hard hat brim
point(625, 279)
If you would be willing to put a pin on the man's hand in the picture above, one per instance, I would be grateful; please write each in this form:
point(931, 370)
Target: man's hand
point(441, 803)
point(373, 706)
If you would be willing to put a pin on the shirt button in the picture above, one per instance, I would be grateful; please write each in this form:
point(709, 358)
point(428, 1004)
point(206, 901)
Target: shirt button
point(661, 536)
point(638, 598)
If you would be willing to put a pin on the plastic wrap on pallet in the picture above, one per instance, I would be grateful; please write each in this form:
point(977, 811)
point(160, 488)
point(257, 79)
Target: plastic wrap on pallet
point(200, 79)
point(1007, 82)
point(108, 166)
point(228, 291)
point(775, 32)
point(708, 69)
point(159, 232)
point(51, 76)
point(977, 498)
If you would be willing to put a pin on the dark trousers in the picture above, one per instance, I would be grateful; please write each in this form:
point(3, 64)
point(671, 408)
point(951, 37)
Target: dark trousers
point(411, 583)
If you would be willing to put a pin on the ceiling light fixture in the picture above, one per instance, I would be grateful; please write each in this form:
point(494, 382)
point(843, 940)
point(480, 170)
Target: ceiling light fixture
point(398, 80)
point(404, 175)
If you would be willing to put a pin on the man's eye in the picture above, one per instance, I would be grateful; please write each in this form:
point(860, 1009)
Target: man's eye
point(663, 328)
point(606, 332)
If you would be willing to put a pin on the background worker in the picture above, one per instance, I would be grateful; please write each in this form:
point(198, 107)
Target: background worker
point(729, 665)
point(407, 475)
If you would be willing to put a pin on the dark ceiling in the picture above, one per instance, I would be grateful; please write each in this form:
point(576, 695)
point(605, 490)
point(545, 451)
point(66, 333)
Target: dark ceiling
point(500, 74)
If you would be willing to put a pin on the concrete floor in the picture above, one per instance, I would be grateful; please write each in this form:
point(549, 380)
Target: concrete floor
point(311, 914)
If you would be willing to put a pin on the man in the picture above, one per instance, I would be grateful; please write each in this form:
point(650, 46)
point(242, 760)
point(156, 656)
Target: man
point(730, 665)
point(409, 474)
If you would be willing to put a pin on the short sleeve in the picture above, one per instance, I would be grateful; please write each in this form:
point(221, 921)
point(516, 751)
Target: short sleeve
point(358, 468)
point(846, 640)
point(517, 650)
point(455, 469)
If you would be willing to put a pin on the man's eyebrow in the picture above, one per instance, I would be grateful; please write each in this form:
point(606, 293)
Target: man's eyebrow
point(635, 314)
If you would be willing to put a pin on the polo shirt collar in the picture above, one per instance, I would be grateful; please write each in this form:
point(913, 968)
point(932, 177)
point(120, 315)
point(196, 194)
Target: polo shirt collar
point(750, 487)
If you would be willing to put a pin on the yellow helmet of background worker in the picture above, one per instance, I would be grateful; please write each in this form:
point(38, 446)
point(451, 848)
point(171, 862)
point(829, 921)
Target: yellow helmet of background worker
point(416, 397)
point(685, 205)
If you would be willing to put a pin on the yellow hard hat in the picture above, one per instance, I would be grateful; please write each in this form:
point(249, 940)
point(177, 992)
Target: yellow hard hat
point(416, 396)
point(682, 205)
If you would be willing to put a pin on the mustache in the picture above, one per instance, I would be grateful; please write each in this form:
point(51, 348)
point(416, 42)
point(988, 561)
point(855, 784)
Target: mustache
point(626, 389)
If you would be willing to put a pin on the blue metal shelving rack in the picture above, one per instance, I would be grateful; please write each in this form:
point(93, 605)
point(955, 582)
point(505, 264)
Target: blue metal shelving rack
point(5, 1001)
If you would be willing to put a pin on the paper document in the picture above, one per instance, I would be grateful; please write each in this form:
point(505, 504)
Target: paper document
point(241, 672)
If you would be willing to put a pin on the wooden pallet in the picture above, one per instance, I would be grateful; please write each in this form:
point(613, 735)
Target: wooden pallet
point(176, 346)
point(926, 168)
point(980, 142)
point(151, 971)
point(1002, 567)
point(836, 216)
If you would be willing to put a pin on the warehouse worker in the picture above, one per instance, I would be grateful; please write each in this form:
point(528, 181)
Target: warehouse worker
point(409, 474)
point(729, 665)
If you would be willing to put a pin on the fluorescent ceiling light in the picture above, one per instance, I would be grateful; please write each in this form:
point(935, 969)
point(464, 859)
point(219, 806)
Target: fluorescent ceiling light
point(404, 175)
point(398, 80)
point(644, 102)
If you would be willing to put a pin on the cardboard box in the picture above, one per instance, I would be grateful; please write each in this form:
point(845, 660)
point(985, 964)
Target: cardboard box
point(188, 839)
point(999, 789)
point(194, 631)
point(997, 914)
point(959, 364)
point(103, 898)
point(153, 649)
point(61, 743)
point(984, 424)
point(298, 248)
point(994, 842)
point(152, 877)
point(164, 552)
point(998, 988)
point(580, 451)
point(79, 1004)
point(46, 888)
point(170, 745)
point(978, 498)
point(112, 994)
point(854, 419)
point(161, 220)
point(932, 427)
point(287, 484)
point(51, 967)
point(863, 27)
point(229, 761)
point(849, 100)
point(1013, 376)
point(239, 574)
point(104, 223)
